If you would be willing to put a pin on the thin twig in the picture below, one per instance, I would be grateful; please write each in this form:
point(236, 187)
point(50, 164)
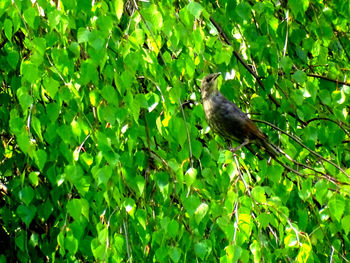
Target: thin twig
point(56, 70)
point(187, 133)
point(323, 175)
point(286, 40)
point(81, 146)
point(235, 224)
point(240, 59)
point(296, 139)
point(290, 169)
point(331, 257)
point(328, 119)
point(288, 221)
point(30, 113)
point(150, 31)
point(294, 229)
point(163, 161)
point(328, 79)
point(240, 175)
point(235, 53)
point(161, 55)
point(128, 249)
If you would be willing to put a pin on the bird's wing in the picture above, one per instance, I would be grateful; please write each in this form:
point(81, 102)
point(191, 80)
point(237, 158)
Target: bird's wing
point(230, 118)
point(232, 123)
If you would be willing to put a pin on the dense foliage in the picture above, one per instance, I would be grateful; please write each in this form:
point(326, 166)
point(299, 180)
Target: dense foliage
point(106, 154)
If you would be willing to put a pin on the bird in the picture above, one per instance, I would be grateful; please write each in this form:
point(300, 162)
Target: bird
point(227, 120)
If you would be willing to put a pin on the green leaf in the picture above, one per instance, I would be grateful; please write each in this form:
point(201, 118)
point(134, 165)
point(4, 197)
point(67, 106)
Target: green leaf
point(96, 40)
point(190, 176)
point(119, 8)
point(290, 240)
point(20, 241)
point(286, 64)
point(53, 111)
point(129, 205)
point(325, 97)
point(26, 195)
point(8, 29)
point(13, 58)
point(336, 208)
point(161, 254)
point(243, 10)
point(83, 35)
point(26, 213)
point(153, 16)
point(223, 55)
point(78, 208)
point(299, 76)
point(53, 18)
point(162, 181)
point(321, 189)
point(29, 16)
point(305, 191)
point(103, 175)
point(195, 9)
point(264, 219)
point(255, 248)
point(4, 6)
point(173, 228)
point(141, 216)
point(304, 253)
point(74, 173)
point(24, 98)
point(202, 249)
point(298, 97)
point(109, 94)
point(37, 127)
point(74, 48)
point(201, 211)
point(137, 37)
point(312, 89)
point(258, 193)
point(191, 204)
point(274, 173)
point(24, 143)
point(233, 253)
point(71, 243)
point(345, 222)
point(298, 6)
point(51, 86)
point(175, 254)
point(40, 157)
point(152, 101)
point(178, 130)
point(34, 178)
point(30, 72)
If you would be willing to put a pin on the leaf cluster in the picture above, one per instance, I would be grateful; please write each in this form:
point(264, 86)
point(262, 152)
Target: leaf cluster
point(105, 152)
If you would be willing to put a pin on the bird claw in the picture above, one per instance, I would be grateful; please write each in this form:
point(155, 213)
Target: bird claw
point(233, 150)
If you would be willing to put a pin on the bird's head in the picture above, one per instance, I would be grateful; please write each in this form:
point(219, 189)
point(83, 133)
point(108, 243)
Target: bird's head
point(209, 84)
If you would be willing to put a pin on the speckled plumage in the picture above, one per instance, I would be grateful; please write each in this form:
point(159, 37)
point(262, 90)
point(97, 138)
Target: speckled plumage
point(227, 120)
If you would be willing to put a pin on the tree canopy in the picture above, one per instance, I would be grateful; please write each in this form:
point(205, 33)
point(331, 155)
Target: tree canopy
point(106, 155)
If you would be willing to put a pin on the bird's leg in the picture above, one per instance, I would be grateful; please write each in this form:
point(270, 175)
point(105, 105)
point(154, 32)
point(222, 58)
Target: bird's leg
point(245, 142)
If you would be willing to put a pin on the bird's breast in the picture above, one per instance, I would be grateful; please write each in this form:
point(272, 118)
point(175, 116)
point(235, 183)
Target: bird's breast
point(210, 110)
point(208, 106)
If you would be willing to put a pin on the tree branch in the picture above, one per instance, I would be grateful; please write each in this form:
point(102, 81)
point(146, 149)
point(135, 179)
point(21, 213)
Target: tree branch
point(240, 59)
point(328, 79)
point(297, 140)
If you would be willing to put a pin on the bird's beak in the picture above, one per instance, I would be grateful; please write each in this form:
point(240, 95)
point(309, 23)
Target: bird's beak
point(217, 75)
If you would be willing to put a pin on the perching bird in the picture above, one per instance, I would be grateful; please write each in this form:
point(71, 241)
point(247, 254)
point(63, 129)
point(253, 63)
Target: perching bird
point(227, 120)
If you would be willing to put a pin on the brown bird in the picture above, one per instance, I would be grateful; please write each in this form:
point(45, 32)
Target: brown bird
point(227, 120)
